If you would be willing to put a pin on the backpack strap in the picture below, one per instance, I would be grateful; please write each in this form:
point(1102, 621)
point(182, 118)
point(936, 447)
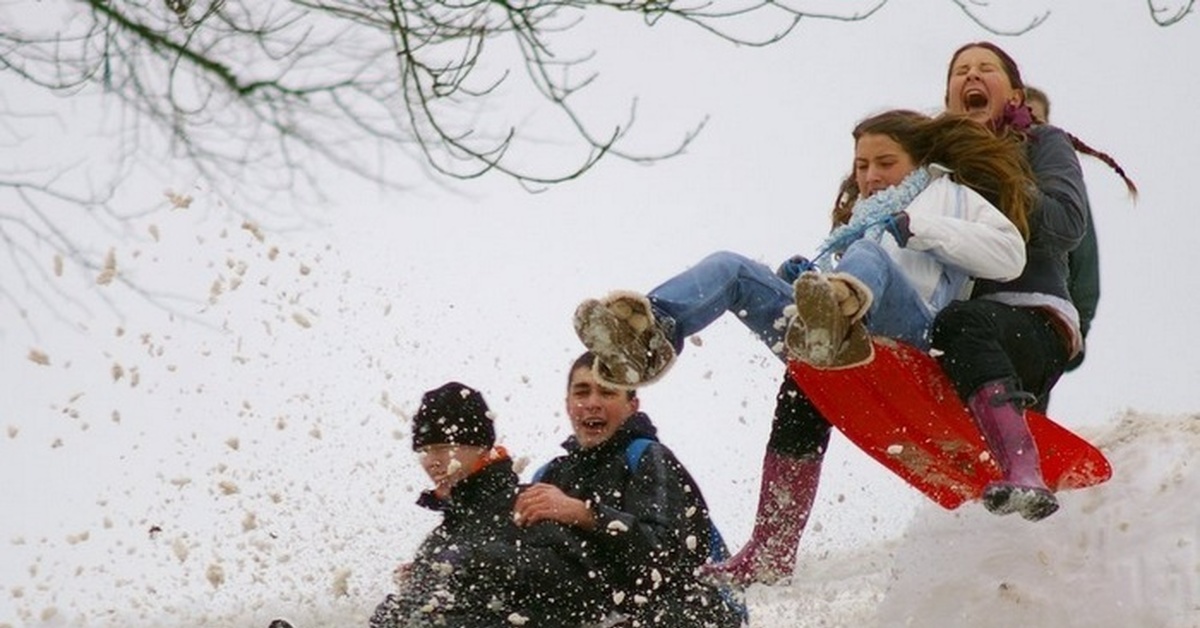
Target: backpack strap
point(541, 472)
point(634, 451)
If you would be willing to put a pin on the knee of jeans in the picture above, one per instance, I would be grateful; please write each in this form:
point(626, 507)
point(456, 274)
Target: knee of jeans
point(725, 258)
point(867, 247)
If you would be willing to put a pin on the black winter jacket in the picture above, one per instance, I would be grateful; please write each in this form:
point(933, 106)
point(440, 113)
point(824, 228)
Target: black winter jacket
point(478, 569)
point(652, 533)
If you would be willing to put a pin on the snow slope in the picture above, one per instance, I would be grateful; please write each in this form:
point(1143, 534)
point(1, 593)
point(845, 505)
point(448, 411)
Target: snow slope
point(1121, 554)
point(1118, 555)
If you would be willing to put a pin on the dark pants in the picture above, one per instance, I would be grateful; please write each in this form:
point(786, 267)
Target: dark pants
point(798, 430)
point(984, 341)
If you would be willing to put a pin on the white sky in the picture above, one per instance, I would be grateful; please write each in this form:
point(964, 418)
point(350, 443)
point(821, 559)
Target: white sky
point(304, 428)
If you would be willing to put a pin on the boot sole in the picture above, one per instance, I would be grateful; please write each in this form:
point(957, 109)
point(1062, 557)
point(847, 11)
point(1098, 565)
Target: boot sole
point(630, 350)
point(1033, 504)
point(815, 335)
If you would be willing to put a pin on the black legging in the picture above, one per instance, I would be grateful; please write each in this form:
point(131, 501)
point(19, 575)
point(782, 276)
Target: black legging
point(798, 429)
point(983, 341)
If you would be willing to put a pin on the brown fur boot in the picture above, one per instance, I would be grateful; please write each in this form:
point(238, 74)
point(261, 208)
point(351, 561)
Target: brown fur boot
point(631, 347)
point(828, 331)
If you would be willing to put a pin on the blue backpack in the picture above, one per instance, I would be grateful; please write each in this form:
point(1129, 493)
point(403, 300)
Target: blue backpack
point(717, 550)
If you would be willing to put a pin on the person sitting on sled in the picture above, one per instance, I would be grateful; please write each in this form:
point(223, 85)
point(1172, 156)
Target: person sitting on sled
point(638, 510)
point(799, 434)
point(1007, 346)
point(913, 236)
point(477, 568)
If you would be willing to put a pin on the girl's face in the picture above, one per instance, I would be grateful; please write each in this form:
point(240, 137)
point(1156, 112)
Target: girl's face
point(879, 163)
point(448, 464)
point(979, 87)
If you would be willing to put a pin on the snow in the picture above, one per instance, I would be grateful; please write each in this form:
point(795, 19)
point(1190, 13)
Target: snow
point(240, 451)
point(1121, 554)
point(180, 472)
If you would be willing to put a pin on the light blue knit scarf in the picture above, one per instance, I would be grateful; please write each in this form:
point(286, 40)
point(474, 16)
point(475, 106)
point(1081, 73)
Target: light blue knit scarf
point(869, 217)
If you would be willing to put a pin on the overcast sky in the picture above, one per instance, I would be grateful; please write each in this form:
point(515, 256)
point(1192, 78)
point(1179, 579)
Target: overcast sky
point(288, 408)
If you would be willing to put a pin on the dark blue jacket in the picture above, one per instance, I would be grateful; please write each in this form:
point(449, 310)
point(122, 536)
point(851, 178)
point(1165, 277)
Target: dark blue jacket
point(652, 533)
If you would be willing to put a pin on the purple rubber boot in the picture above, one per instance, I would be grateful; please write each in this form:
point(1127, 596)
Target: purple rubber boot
point(999, 410)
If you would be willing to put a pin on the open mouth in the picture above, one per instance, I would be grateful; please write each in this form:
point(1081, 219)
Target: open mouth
point(593, 424)
point(975, 100)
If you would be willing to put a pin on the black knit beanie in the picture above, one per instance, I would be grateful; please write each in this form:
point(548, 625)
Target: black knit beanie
point(454, 414)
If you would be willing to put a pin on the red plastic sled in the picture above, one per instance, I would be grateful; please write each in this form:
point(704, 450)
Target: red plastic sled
point(903, 411)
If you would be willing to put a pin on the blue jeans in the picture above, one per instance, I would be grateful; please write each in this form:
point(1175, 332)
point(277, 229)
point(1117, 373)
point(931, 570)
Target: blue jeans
point(897, 310)
point(728, 282)
point(724, 282)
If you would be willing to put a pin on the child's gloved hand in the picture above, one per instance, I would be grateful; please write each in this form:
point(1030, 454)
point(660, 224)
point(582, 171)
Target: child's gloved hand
point(793, 267)
point(897, 225)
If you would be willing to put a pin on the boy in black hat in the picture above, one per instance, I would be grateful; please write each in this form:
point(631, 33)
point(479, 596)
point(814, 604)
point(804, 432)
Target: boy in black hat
point(477, 568)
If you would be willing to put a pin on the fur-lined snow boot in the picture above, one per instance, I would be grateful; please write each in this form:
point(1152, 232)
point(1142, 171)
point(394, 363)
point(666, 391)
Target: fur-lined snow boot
point(999, 410)
point(828, 331)
point(631, 346)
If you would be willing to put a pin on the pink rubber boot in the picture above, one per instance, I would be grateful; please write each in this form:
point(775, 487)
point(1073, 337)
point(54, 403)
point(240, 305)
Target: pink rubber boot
point(785, 498)
point(998, 410)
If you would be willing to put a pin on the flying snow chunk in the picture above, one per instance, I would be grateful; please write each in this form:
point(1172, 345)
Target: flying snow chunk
point(109, 272)
point(215, 575)
point(254, 230)
point(180, 549)
point(341, 583)
point(177, 200)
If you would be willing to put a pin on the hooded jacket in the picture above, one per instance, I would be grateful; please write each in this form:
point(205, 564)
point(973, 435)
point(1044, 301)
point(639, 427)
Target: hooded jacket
point(652, 532)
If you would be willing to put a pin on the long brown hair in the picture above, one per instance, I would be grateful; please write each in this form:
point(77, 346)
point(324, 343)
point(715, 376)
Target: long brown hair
point(995, 166)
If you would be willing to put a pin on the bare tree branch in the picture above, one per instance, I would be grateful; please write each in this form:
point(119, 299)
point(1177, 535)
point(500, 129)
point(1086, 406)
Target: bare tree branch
point(1156, 13)
point(966, 6)
point(261, 99)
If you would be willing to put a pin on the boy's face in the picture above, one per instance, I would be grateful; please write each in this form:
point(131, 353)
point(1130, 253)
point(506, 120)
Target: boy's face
point(596, 411)
point(448, 464)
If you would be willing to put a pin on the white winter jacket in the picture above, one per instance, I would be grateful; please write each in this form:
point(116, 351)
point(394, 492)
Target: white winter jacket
point(957, 236)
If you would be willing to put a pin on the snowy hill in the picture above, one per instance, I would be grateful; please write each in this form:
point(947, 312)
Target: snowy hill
point(1126, 553)
point(1118, 555)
